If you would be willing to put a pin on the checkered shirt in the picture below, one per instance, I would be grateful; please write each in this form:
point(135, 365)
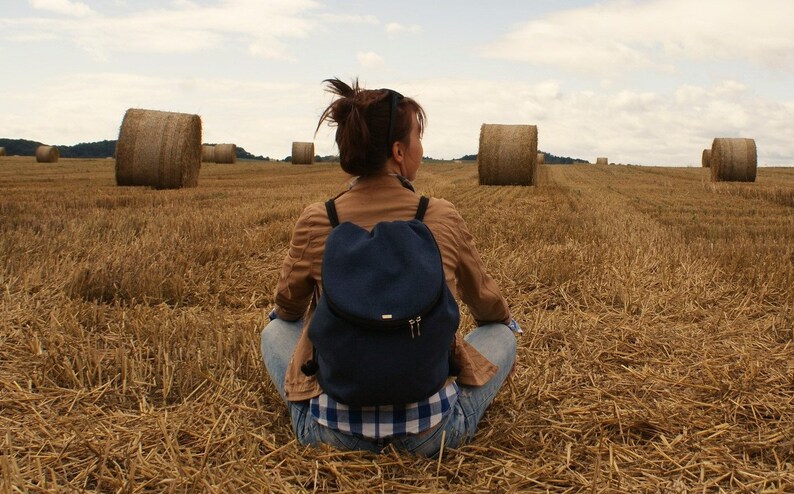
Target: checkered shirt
point(378, 422)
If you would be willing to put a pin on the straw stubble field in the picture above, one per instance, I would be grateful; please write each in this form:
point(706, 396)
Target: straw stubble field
point(658, 353)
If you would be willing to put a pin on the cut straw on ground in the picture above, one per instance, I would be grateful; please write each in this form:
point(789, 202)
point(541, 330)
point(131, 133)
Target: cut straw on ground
point(657, 307)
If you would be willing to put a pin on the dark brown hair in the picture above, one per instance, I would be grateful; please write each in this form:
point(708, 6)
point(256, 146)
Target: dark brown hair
point(362, 119)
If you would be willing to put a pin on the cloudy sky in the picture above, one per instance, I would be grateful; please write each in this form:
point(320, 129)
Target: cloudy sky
point(648, 82)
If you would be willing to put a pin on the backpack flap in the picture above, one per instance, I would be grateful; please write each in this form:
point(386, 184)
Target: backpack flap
point(384, 278)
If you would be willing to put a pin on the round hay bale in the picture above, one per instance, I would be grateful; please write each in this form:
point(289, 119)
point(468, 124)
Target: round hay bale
point(158, 149)
point(602, 161)
point(733, 160)
point(705, 159)
point(207, 154)
point(225, 153)
point(302, 153)
point(47, 154)
point(541, 158)
point(508, 154)
point(2, 151)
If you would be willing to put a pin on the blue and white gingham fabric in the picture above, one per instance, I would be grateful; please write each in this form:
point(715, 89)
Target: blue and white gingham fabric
point(378, 422)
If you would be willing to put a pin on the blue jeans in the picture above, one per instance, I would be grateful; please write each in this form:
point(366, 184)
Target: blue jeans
point(494, 341)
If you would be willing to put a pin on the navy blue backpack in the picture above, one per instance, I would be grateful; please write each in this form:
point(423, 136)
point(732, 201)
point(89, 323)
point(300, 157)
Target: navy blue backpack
point(385, 322)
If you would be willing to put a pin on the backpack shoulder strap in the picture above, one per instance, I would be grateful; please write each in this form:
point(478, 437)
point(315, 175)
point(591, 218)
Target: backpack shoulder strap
point(420, 210)
point(330, 208)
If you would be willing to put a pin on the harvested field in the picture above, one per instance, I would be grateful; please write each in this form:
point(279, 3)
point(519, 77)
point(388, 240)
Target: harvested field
point(658, 353)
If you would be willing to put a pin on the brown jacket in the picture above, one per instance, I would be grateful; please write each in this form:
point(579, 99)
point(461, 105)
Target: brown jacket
point(370, 200)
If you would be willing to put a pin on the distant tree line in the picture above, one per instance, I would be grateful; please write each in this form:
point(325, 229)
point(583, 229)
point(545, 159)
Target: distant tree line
point(20, 147)
point(549, 159)
point(99, 149)
point(552, 159)
point(331, 158)
point(105, 149)
point(242, 154)
point(24, 147)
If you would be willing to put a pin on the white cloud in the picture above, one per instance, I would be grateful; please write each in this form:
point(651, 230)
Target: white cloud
point(370, 59)
point(67, 7)
point(348, 18)
point(640, 127)
point(656, 35)
point(179, 27)
point(183, 4)
point(231, 110)
point(397, 28)
point(633, 116)
point(270, 48)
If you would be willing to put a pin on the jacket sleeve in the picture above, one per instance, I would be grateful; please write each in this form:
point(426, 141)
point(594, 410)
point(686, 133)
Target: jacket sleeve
point(476, 288)
point(296, 283)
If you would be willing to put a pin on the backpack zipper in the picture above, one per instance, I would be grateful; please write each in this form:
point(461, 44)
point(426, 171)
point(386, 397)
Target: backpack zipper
point(412, 322)
point(415, 321)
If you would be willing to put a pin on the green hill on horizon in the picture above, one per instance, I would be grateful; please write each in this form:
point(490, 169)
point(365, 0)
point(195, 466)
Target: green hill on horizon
point(105, 149)
point(98, 149)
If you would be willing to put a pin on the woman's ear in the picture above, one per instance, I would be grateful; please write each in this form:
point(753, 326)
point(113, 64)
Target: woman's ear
point(398, 152)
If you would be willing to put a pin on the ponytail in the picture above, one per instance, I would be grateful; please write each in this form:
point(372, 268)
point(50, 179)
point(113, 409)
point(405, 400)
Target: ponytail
point(362, 119)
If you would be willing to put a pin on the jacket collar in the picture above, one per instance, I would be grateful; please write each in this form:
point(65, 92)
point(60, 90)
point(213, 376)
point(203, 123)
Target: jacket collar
point(382, 180)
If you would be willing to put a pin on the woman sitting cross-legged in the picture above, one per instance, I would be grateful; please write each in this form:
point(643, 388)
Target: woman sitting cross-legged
point(363, 344)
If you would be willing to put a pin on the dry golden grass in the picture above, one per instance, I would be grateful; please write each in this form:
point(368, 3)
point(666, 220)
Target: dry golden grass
point(658, 356)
